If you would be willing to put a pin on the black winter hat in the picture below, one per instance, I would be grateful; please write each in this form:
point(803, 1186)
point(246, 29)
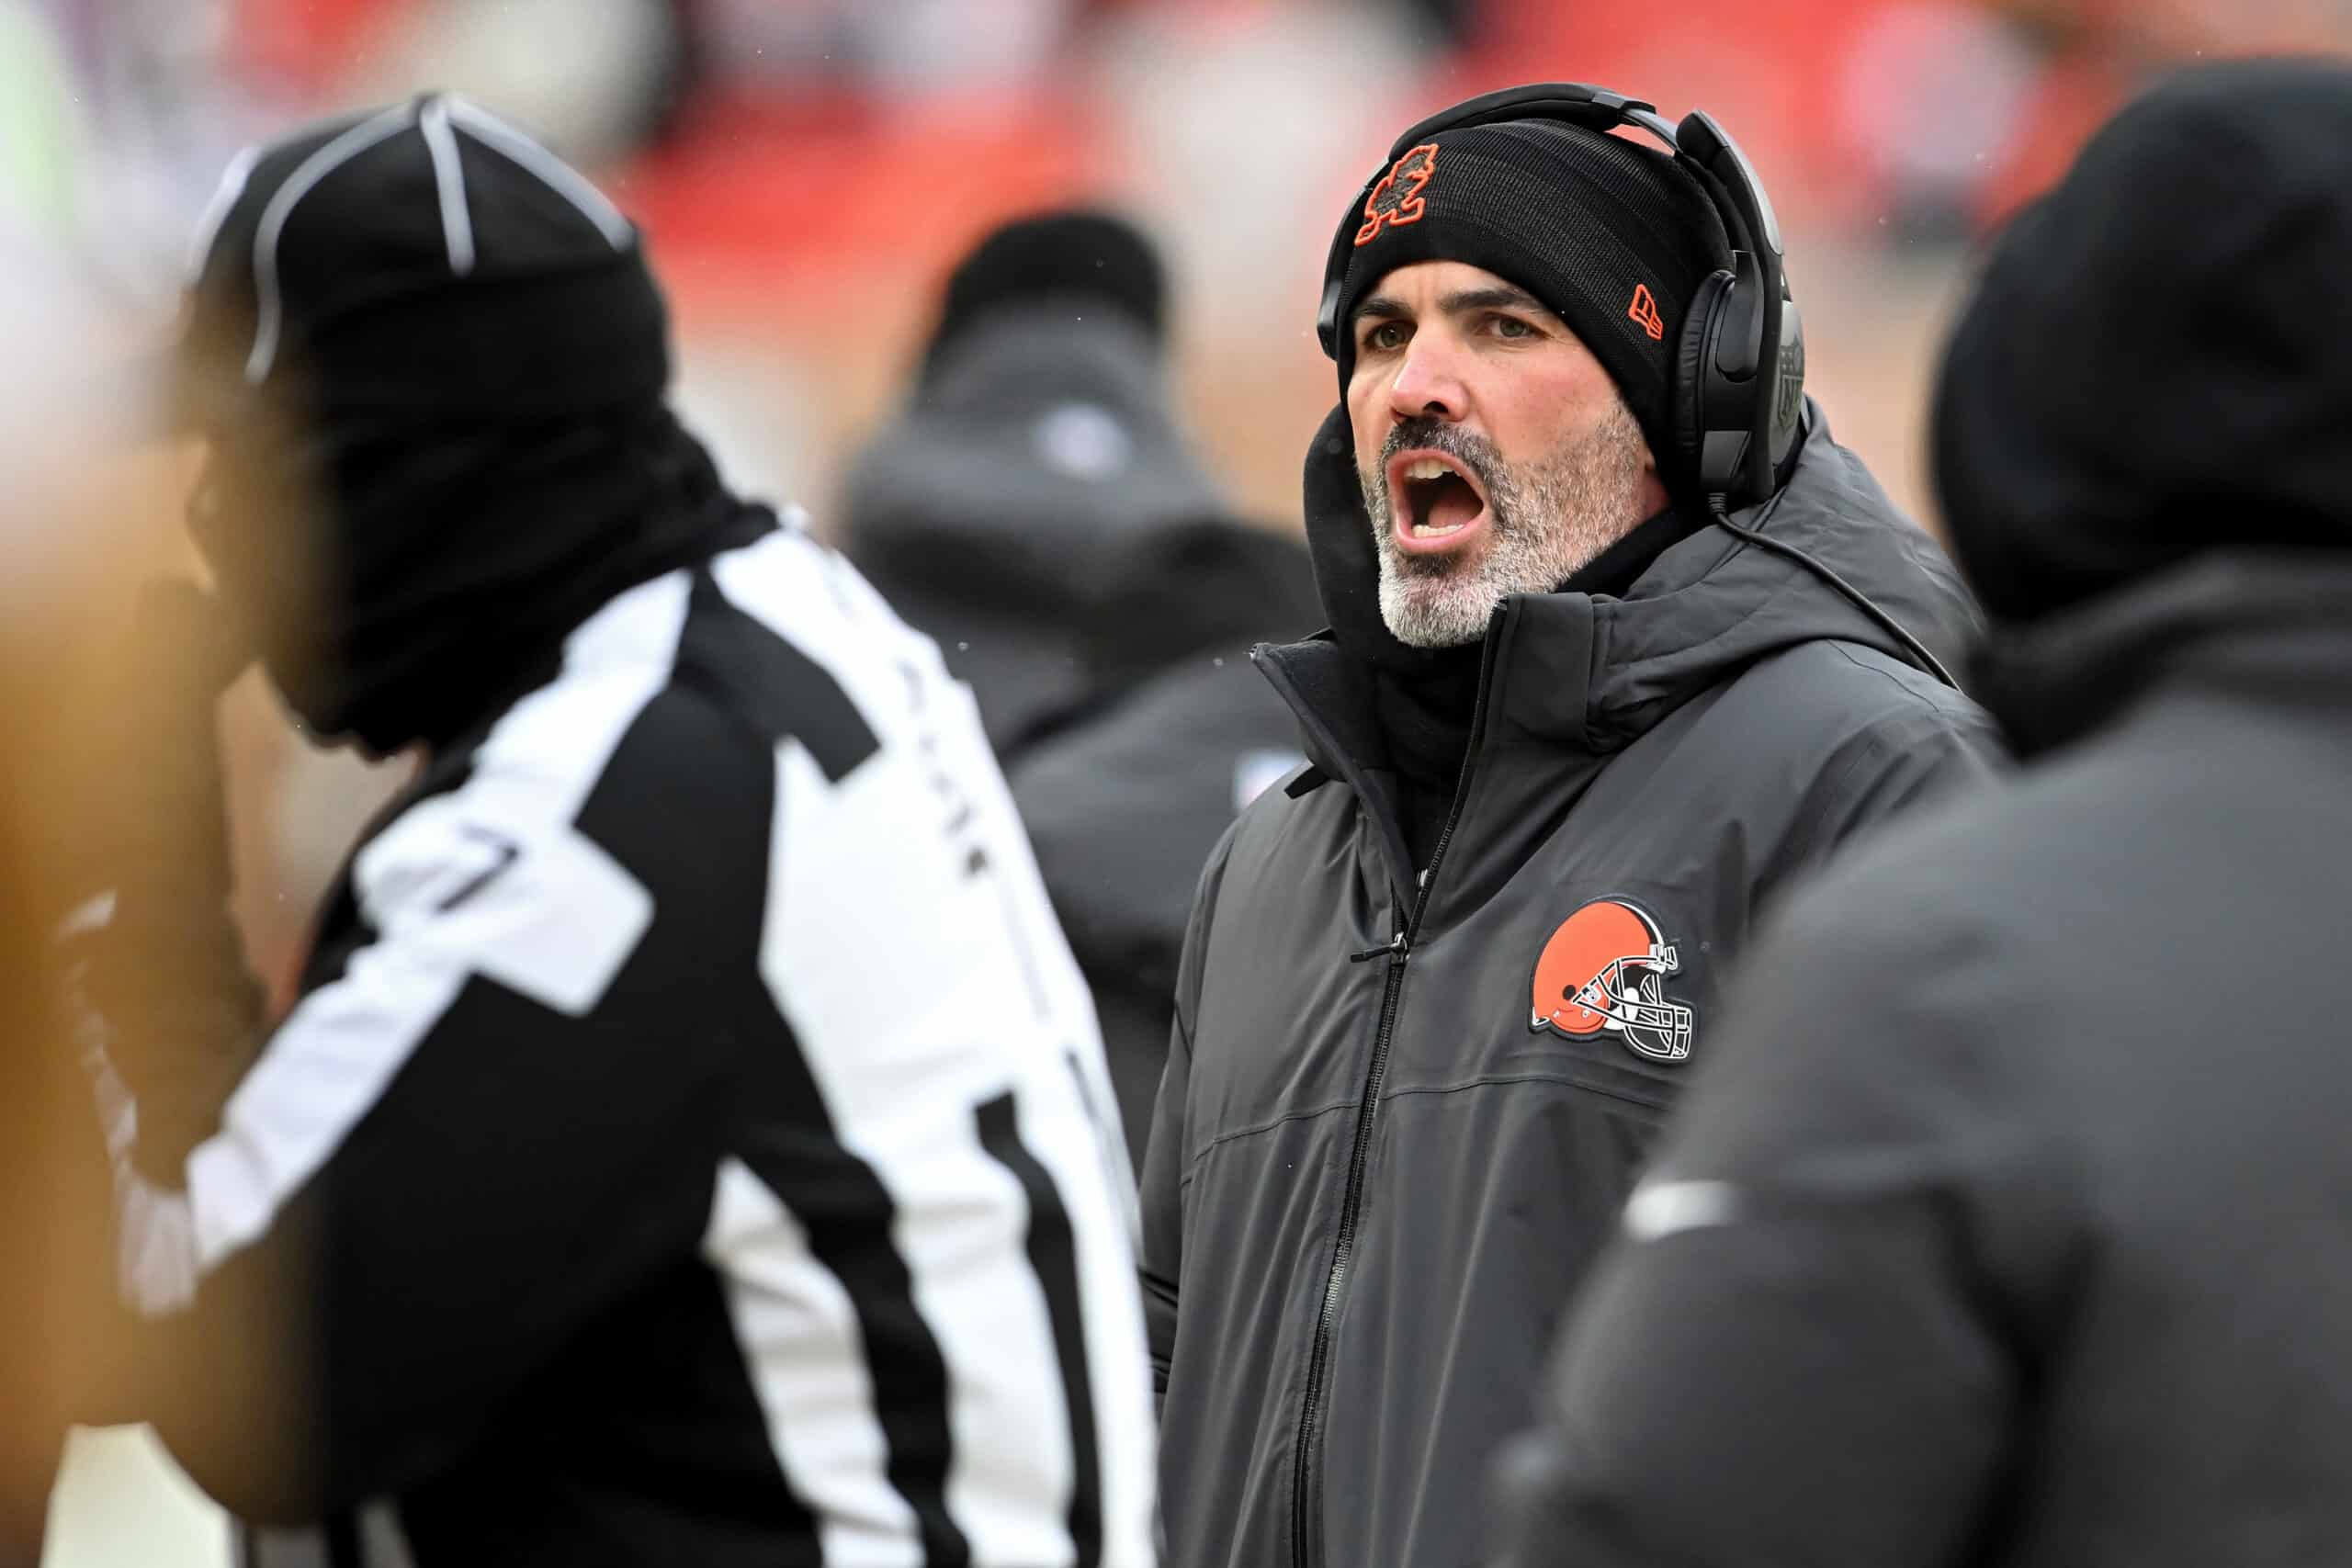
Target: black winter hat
point(2153, 363)
point(431, 360)
point(1612, 236)
point(426, 259)
point(1077, 255)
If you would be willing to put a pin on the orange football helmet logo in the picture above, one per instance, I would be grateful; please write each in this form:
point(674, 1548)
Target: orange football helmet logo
point(1604, 972)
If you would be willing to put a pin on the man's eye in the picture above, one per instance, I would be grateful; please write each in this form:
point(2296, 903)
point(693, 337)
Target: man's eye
point(1386, 335)
point(1512, 326)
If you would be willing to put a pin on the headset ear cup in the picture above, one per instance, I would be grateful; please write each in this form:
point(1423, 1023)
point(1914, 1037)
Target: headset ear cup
point(1688, 395)
point(1788, 386)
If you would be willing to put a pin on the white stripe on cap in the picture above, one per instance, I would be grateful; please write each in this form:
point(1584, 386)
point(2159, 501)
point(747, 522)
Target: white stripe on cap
point(305, 175)
point(450, 179)
point(552, 171)
point(216, 211)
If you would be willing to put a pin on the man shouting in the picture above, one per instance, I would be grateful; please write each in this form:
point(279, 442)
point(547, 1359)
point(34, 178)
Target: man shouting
point(1621, 640)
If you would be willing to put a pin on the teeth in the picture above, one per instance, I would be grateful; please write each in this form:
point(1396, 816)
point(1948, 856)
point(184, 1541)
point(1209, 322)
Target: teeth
point(1430, 469)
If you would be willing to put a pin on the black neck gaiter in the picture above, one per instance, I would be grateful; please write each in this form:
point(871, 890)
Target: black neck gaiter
point(1425, 702)
point(454, 558)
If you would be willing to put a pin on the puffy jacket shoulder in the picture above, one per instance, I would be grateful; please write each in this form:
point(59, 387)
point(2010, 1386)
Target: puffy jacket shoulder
point(1866, 734)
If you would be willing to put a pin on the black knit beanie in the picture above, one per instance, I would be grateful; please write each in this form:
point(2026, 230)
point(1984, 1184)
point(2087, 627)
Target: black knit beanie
point(2152, 363)
point(1073, 255)
point(1612, 236)
point(425, 260)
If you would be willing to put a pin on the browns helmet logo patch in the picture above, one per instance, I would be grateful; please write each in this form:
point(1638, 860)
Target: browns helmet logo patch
point(1396, 200)
point(1603, 971)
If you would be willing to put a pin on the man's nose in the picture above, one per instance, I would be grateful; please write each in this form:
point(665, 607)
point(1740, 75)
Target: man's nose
point(1428, 383)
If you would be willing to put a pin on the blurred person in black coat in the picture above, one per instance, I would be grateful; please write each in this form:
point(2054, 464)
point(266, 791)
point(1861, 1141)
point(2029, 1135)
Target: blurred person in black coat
point(1037, 508)
point(2009, 1226)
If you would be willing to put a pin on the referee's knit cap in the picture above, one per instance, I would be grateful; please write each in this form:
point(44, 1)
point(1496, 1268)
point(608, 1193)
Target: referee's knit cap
point(427, 259)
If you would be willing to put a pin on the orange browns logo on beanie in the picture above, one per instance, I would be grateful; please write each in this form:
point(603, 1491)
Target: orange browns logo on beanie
point(1604, 971)
point(1396, 200)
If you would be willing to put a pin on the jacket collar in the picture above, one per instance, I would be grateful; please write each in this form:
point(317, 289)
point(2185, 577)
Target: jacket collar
point(1595, 671)
point(2268, 626)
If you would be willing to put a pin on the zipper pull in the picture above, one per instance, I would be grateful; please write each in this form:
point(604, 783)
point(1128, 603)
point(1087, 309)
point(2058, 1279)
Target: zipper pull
point(1394, 947)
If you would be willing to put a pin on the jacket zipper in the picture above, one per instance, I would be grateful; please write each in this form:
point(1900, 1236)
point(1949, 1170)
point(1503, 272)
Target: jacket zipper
point(1307, 1488)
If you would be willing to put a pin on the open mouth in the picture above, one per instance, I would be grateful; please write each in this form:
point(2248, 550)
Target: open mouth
point(1438, 503)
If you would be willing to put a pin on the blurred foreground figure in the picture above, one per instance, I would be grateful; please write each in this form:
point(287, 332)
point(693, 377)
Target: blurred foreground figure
point(2013, 1229)
point(72, 508)
point(1037, 509)
point(691, 1144)
point(51, 1174)
point(1619, 643)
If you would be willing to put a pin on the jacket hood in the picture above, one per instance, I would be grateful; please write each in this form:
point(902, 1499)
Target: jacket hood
point(2156, 344)
point(1009, 495)
point(2263, 626)
point(1706, 607)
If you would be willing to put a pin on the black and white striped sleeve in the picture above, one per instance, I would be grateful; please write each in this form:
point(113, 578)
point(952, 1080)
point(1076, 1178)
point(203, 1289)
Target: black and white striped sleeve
point(721, 967)
point(478, 1130)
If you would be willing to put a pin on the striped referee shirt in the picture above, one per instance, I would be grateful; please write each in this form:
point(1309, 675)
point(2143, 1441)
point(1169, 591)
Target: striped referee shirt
point(692, 1141)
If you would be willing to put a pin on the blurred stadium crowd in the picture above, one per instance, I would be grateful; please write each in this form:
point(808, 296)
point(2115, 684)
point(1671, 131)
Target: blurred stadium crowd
point(807, 171)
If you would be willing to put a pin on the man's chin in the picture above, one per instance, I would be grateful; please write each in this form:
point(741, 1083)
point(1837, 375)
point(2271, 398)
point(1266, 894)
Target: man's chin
point(1454, 613)
point(1433, 639)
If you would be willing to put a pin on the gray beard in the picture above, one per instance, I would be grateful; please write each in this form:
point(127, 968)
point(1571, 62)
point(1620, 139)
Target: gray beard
point(1544, 522)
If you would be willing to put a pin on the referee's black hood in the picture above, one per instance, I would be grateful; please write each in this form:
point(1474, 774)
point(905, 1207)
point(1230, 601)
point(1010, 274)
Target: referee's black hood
point(2153, 365)
point(431, 362)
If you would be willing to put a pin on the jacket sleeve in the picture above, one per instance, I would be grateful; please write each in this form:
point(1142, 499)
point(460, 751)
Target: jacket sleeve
point(1163, 1167)
point(448, 1158)
point(1163, 1220)
point(1805, 1344)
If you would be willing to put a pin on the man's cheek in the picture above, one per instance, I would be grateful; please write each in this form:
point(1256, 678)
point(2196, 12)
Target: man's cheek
point(1367, 451)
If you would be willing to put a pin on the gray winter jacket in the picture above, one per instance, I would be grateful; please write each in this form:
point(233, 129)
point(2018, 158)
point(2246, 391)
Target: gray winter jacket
point(2014, 1233)
point(1403, 1106)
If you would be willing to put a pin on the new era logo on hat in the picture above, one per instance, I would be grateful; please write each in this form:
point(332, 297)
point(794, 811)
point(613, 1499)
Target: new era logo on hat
point(1644, 310)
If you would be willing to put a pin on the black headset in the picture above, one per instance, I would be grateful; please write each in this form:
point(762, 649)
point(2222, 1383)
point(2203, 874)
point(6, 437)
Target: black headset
point(1737, 394)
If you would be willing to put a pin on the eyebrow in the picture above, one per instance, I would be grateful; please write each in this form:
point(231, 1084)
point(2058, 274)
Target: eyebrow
point(1493, 297)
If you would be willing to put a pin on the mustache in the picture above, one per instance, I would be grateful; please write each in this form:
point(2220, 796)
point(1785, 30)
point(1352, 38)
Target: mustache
point(1425, 433)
